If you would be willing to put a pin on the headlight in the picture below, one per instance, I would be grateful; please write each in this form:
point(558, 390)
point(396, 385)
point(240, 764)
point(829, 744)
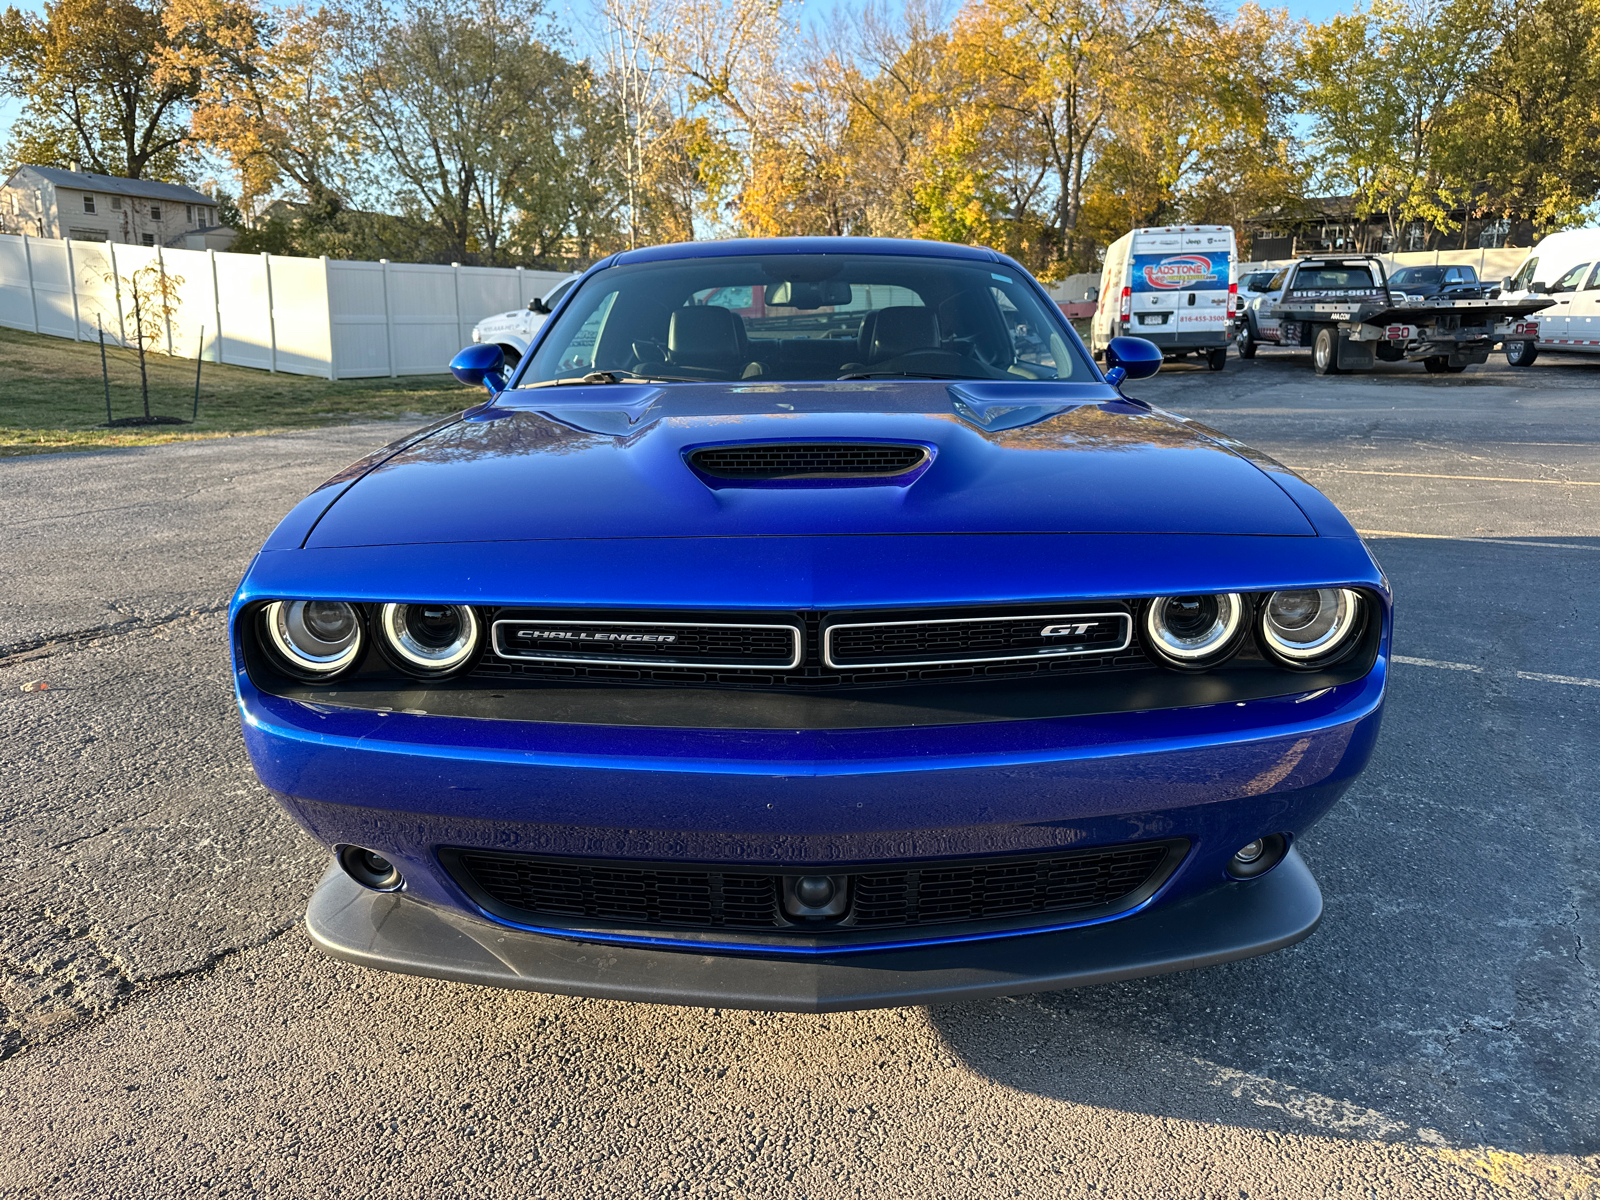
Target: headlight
point(313, 639)
point(1194, 631)
point(429, 639)
point(1308, 628)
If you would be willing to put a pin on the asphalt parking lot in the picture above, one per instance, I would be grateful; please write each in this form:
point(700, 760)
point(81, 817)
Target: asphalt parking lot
point(168, 1032)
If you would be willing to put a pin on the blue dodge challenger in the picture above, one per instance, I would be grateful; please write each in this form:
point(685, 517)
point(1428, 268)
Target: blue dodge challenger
point(810, 624)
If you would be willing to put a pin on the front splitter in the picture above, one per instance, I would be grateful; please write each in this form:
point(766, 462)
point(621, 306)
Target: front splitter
point(390, 932)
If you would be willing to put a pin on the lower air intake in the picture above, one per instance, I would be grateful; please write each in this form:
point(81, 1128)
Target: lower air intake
point(661, 895)
point(751, 462)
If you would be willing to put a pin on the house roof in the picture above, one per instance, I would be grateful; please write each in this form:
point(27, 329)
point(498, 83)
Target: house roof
point(112, 185)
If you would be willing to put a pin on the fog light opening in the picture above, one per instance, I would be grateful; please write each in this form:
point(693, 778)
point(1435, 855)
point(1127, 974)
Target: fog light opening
point(370, 869)
point(812, 897)
point(1259, 856)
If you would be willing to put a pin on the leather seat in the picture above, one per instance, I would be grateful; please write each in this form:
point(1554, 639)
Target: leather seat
point(869, 325)
point(705, 336)
point(903, 329)
point(712, 340)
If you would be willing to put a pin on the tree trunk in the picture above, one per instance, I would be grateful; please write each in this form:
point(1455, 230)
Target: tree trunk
point(138, 337)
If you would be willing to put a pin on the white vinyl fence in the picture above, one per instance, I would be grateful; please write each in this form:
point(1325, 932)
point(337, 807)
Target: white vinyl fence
point(303, 316)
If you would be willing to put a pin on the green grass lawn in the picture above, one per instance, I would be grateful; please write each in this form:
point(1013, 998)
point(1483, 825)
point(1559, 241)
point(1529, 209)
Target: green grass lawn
point(51, 397)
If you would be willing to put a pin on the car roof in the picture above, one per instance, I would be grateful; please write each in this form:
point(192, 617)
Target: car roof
point(804, 245)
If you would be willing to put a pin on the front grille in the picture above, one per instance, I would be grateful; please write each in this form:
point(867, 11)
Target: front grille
point(652, 895)
point(975, 639)
point(812, 460)
point(672, 643)
point(1009, 645)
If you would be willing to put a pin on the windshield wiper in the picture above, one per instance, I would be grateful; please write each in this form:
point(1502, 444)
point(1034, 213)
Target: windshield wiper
point(602, 377)
point(908, 375)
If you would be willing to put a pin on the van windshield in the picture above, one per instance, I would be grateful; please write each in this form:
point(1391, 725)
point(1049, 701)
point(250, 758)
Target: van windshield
point(789, 317)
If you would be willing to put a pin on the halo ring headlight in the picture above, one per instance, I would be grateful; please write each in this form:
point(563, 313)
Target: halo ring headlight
point(1308, 627)
point(429, 639)
point(1194, 631)
point(313, 639)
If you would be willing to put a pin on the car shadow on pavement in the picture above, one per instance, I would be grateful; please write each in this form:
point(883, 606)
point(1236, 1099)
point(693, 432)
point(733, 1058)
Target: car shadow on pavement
point(1452, 992)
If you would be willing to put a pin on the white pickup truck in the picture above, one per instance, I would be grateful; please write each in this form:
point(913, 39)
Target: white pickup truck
point(513, 331)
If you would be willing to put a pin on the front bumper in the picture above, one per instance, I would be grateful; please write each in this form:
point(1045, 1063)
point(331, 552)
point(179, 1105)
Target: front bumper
point(392, 932)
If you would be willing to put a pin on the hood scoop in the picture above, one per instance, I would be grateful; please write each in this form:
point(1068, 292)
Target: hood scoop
point(810, 464)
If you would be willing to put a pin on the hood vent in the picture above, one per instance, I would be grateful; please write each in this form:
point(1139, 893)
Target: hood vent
point(798, 462)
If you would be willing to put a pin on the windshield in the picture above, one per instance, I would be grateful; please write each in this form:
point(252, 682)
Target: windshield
point(1329, 277)
point(807, 317)
point(1416, 277)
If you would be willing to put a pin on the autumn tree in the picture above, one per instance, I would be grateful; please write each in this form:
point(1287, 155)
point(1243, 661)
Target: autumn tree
point(1524, 137)
point(269, 95)
point(1383, 86)
point(459, 103)
point(97, 87)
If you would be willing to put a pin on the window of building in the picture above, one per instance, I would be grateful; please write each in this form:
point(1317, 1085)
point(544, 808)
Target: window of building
point(1494, 234)
point(116, 204)
point(188, 213)
point(87, 235)
point(149, 239)
point(1417, 236)
point(155, 212)
point(88, 204)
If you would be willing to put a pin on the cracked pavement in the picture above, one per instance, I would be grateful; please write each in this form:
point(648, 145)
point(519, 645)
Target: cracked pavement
point(168, 1030)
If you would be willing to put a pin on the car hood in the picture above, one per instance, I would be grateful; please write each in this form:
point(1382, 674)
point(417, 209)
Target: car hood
point(590, 462)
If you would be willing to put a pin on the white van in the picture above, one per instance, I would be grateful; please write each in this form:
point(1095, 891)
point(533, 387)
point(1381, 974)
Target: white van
point(1172, 285)
point(1565, 267)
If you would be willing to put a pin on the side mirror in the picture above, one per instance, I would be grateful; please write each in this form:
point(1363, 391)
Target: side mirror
point(1505, 284)
point(1135, 358)
point(537, 305)
point(485, 364)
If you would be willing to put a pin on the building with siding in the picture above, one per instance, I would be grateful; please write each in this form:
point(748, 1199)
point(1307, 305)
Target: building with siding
point(48, 202)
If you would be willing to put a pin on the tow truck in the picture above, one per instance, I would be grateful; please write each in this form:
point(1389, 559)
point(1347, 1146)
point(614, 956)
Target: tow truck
point(1341, 307)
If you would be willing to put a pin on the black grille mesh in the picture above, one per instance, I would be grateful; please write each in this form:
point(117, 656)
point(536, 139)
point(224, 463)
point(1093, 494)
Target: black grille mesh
point(657, 895)
point(1001, 637)
point(819, 460)
point(984, 891)
point(580, 641)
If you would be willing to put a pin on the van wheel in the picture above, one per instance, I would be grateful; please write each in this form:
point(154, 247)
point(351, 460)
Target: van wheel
point(1521, 354)
point(1246, 343)
point(1217, 359)
point(1325, 351)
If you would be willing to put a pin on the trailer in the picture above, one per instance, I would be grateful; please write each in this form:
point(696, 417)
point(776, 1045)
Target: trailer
point(1341, 307)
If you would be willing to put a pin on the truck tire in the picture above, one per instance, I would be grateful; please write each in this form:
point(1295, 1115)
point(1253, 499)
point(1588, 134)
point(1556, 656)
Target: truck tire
point(1247, 342)
point(1325, 351)
point(1521, 354)
point(1218, 358)
point(1436, 364)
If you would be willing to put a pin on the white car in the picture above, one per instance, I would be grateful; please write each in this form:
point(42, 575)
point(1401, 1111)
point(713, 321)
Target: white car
point(513, 331)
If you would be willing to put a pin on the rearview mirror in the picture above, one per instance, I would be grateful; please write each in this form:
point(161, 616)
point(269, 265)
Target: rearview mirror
point(798, 293)
point(481, 364)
